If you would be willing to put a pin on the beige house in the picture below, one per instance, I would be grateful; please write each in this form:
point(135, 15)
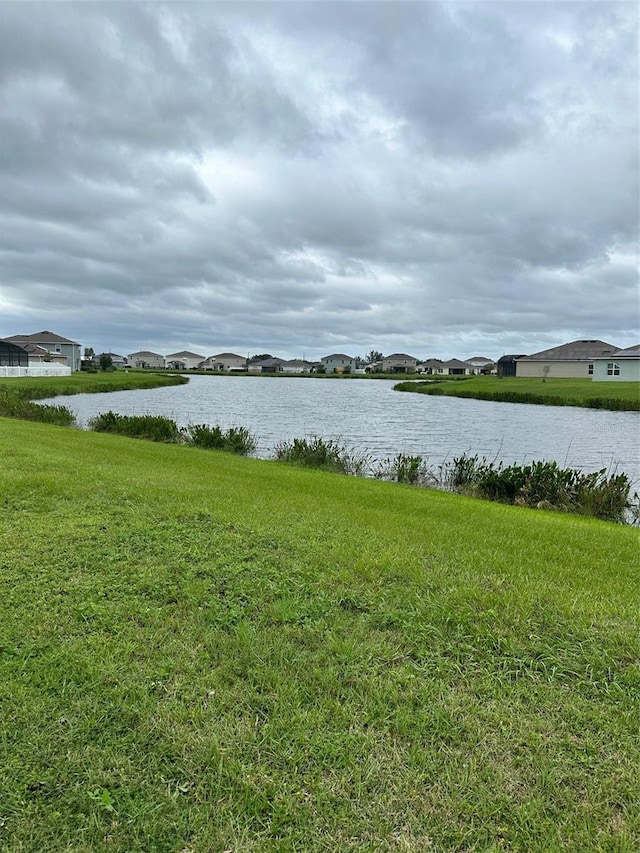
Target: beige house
point(145, 358)
point(225, 361)
point(399, 362)
point(574, 360)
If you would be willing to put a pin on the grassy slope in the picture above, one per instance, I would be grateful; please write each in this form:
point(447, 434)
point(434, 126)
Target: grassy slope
point(38, 387)
point(204, 653)
point(561, 392)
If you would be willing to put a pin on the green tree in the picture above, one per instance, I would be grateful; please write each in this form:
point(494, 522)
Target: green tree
point(106, 362)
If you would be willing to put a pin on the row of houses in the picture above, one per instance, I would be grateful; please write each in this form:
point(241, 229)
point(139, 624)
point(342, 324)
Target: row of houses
point(333, 363)
point(596, 359)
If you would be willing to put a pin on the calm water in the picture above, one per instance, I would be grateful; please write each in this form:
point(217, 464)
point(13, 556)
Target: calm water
point(369, 415)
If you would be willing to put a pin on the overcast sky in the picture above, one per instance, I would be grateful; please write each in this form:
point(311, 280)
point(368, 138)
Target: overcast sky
point(441, 179)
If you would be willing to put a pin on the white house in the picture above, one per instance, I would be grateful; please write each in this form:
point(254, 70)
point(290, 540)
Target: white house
point(621, 366)
point(183, 360)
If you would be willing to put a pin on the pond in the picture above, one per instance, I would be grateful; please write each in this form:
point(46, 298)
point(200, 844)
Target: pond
point(368, 415)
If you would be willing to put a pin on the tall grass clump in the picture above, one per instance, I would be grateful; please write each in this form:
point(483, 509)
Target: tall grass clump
point(238, 440)
point(411, 470)
point(14, 405)
point(149, 427)
point(543, 485)
point(326, 454)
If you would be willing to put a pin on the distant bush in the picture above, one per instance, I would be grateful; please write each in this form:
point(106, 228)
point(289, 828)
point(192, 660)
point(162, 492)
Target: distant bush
point(14, 405)
point(543, 485)
point(149, 427)
point(326, 454)
point(234, 440)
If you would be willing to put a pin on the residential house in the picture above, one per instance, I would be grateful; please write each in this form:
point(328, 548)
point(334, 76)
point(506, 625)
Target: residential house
point(430, 366)
point(399, 362)
point(570, 361)
point(482, 365)
point(116, 360)
point(621, 366)
point(338, 362)
point(145, 358)
point(183, 360)
point(297, 365)
point(267, 365)
point(58, 347)
point(455, 367)
point(225, 361)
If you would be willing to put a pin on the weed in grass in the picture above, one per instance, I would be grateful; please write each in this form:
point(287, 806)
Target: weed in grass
point(149, 427)
point(326, 454)
point(402, 468)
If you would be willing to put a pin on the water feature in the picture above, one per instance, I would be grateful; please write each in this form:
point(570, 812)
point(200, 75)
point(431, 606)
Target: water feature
point(369, 415)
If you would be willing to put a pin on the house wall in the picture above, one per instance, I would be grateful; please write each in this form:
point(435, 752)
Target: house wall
point(408, 365)
point(629, 370)
point(557, 369)
point(334, 364)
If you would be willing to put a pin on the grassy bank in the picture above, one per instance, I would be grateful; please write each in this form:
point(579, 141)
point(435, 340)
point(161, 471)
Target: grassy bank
point(39, 387)
point(205, 653)
point(618, 396)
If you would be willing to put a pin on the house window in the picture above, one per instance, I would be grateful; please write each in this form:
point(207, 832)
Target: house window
point(613, 369)
point(591, 369)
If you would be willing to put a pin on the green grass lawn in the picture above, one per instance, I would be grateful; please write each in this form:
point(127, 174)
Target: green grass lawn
point(38, 387)
point(552, 392)
point(206, 653)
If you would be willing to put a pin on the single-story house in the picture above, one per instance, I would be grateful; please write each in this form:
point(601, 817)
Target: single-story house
point(338, 362)
point(621, 366)
point(455, 367)
point(224, 361)
point(481, 364)
point(569, 361)
point(145, 358)
point(61, 350)
point(399, 362)
point(267, 365)
point(297, 365)
point(183, 360)
point(430, 366)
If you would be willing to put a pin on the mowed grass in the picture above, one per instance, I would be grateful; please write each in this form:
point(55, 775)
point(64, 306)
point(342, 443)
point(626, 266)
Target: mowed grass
point(39, 387)
point(623, 396)
point(209, 653)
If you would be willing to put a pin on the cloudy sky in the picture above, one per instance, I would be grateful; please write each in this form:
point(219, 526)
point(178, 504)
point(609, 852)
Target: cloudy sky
point(443, 179)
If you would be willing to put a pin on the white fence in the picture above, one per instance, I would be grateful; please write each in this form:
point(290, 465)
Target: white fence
point(40, 370)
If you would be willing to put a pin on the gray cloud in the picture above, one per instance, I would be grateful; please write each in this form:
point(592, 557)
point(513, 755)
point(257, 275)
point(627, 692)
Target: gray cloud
point(439, 178)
